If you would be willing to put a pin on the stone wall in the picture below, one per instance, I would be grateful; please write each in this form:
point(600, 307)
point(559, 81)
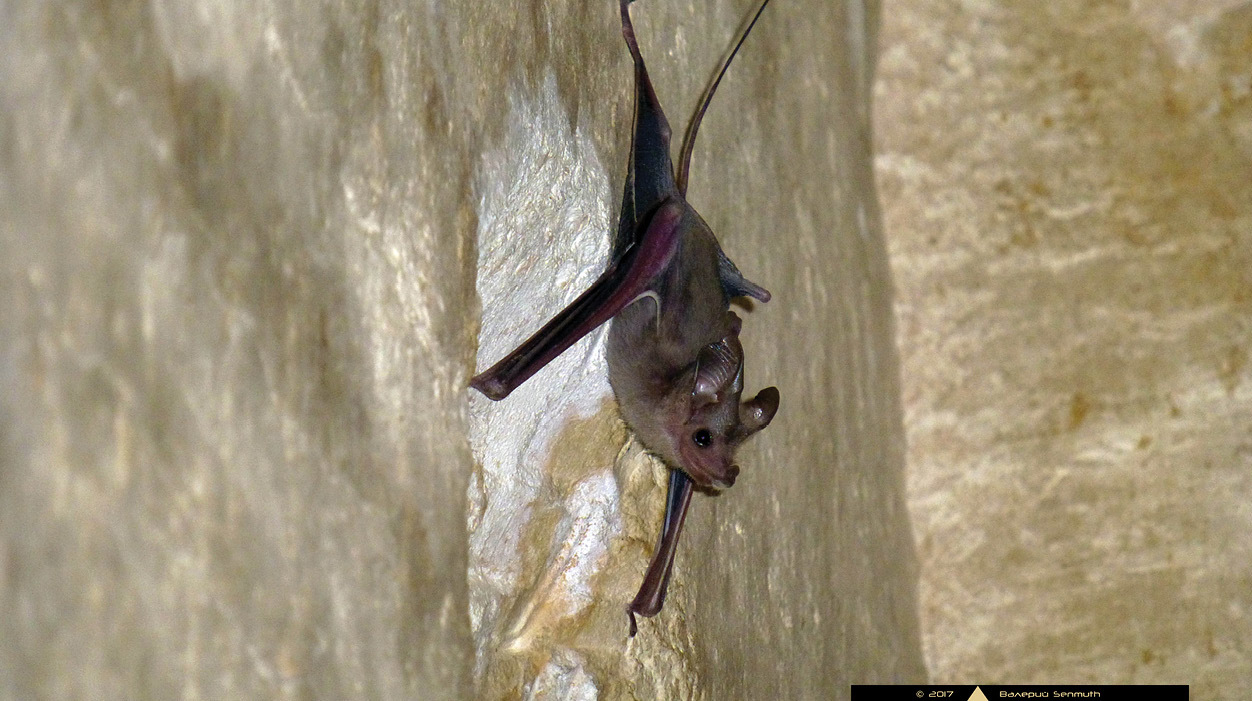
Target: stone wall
point(1067, 196)
point(251, 252)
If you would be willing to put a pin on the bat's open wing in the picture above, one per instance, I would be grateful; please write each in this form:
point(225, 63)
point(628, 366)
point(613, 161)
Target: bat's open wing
point(627, 278)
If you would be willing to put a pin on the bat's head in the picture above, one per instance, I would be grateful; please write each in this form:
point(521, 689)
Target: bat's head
point(705, 435)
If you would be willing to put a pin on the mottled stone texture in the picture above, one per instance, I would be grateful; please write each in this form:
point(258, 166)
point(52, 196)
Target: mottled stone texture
point(1067, 191)
point(242, 251)
point(233, 449)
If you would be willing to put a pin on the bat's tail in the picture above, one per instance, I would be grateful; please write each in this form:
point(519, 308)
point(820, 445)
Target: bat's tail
point(689, 139)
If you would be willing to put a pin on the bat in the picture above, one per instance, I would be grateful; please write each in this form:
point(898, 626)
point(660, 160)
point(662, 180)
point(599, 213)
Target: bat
point(673, 353)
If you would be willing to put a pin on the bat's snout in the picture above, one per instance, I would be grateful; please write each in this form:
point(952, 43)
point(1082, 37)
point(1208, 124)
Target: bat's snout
point(728, 480)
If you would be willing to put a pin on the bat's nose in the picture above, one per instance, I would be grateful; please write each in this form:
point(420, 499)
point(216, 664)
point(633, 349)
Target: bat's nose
point(727, 480)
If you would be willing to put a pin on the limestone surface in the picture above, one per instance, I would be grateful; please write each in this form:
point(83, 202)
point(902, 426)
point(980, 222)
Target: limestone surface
point(252, 251)
point(1067, 192)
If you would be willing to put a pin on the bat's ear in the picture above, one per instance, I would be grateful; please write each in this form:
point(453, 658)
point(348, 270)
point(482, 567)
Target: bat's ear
point(719, 368)
point(756, 413)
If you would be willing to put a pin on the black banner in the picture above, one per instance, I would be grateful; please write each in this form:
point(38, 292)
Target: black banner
point(1001, 692)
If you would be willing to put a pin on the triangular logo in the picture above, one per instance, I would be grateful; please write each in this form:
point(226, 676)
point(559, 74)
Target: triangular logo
point(977, 695)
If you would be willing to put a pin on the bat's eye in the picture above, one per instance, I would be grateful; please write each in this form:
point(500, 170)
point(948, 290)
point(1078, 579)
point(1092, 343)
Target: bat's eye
point(702, 438)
